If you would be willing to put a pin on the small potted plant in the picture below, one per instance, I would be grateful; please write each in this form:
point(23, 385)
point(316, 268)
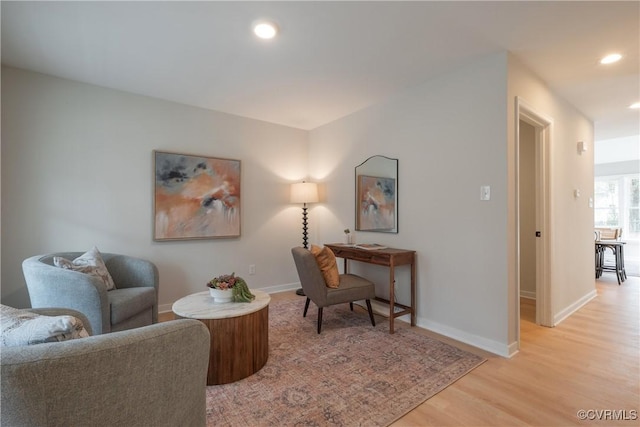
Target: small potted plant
point(347, 236)
point(229, 288)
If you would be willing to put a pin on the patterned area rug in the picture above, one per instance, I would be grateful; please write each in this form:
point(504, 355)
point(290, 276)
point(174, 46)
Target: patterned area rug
point(350, 375)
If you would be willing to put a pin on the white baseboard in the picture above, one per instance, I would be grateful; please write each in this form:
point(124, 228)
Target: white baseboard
point(164, 308)
point(568, 311)
point(281, 288)
point(491, 346)
point(513, 349)
point(474, 340)
point(528, 295)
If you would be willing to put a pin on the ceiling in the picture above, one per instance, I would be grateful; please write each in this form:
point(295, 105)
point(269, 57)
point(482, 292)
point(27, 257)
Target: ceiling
point(331, 58)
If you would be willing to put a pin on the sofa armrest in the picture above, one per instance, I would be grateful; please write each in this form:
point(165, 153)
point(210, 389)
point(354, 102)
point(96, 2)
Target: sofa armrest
point(129, 272)
point(155, 375)
point(51, 286)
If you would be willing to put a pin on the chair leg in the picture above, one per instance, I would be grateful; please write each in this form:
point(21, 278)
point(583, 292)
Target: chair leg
point(319, 319)
point(351, 306)
point(306, 307)
point(373, 321)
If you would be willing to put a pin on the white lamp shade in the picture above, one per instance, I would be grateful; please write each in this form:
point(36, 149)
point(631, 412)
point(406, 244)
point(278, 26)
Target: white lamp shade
point(304, 192)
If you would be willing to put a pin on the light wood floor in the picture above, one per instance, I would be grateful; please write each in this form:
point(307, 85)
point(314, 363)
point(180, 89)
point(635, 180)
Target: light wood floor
point(591, 361)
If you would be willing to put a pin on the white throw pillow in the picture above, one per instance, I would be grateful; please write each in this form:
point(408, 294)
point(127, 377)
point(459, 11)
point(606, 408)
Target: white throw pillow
point(23, 327)
point(89, 263)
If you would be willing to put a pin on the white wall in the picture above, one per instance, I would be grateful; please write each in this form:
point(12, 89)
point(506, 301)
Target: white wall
point(449, 136)
point(617, 156)
point(616, 150)
point(571, 233)
point(77, 172)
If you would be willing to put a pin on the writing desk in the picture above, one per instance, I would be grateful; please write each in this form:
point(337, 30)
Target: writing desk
point(389, 257)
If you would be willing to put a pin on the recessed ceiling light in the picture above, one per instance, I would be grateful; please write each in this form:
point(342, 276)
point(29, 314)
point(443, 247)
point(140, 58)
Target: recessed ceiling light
point(610, 59)
point(265, 29)
point(635, 105)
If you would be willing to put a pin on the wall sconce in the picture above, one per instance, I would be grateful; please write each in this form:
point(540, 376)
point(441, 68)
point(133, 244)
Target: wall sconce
point(582, 147)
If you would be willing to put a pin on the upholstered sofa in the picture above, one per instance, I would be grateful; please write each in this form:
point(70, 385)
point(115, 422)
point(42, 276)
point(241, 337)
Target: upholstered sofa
point(149, 376)
point(134, 302)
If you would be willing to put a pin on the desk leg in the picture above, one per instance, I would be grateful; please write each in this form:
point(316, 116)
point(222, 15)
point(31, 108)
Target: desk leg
point(392, 286)
point(622, 275)
point(622, 270)
point(413, 293)
point(599, 260)
point(616, 252)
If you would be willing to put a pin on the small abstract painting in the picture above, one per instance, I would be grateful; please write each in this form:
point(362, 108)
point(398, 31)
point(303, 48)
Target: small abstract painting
point(376, 203)
point(195, 197)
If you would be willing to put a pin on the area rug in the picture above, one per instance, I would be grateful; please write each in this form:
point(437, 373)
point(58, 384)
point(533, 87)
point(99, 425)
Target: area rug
point(352, 374)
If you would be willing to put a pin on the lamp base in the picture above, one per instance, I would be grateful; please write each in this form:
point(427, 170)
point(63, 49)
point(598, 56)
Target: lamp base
point(300, 292)
point(305, 234)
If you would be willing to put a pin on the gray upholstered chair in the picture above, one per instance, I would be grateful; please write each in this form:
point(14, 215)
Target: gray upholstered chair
point(150, 376)
point(134, 302)
point(352, 287)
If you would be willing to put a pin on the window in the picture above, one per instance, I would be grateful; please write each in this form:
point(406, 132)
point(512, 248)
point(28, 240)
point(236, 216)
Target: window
point(617, 204)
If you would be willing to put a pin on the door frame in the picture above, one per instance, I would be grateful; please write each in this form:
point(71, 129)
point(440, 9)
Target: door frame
point(543, 130)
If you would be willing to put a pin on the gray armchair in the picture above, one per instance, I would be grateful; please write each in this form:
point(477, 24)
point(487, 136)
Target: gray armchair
point(150, 376)
point(134, 302)
point(352, 287)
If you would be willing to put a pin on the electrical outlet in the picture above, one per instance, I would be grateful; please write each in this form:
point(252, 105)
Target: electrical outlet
point(252, 269)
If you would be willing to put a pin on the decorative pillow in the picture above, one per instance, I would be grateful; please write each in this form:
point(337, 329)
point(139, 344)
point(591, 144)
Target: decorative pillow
point(89, 263)
point(327, 262)
point(23, 327)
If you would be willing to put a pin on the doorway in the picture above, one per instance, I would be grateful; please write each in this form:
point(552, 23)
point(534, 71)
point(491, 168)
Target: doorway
point(527, 215)
point(533, 139)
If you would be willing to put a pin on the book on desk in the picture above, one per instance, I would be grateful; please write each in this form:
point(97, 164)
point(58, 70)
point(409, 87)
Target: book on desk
point(366, 246)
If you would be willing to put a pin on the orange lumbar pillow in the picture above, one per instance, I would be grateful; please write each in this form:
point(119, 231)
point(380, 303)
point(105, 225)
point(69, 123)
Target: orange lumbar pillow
point(327, 262)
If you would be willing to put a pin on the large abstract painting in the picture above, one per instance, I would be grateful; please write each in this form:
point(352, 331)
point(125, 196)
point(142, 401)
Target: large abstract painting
point(195, 197)
point(376, 203)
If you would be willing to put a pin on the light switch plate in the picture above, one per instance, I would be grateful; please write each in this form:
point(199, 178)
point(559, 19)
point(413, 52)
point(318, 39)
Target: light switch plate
point(485, 192)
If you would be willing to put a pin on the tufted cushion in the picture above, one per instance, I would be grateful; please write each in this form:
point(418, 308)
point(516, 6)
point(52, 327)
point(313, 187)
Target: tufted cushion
point(23, 327)
point(89, 263)
point(328, 266)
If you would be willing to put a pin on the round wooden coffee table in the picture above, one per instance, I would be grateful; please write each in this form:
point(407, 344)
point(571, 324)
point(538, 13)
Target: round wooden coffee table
point(239, 333)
